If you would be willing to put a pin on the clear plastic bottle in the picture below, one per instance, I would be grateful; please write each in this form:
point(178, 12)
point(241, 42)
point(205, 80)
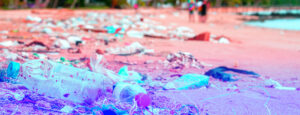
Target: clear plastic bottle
point(125, 92)
point(59, 81)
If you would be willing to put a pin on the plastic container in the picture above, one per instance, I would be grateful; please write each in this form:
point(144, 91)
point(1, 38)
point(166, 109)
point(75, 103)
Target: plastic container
point(57, 80)
point(126, 92)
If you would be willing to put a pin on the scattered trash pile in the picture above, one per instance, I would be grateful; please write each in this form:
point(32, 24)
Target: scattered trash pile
point(73, 85)
point(181, 33)
point(99, 86)
point(134, 48)
point(182, 59)
point(36, 78)
point(70, 33)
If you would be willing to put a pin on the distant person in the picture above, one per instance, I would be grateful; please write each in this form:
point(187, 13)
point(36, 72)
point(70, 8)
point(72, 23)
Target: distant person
point(136, 7)
point(199, 9)
point(203, 11)
point(191, 4)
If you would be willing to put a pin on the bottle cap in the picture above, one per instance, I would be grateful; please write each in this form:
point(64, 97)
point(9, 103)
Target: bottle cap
point(143, 100)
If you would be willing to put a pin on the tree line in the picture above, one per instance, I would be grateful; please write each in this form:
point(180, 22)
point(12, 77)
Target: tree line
point(120, 3)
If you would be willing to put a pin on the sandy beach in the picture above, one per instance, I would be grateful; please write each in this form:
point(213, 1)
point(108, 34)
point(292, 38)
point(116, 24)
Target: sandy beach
point(272, 53)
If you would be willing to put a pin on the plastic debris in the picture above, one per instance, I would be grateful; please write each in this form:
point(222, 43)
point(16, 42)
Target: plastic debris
point(181, 60)
point(36, 19)
point(67, 109)
point(109, 112)
point(95, 63)
point(129, 75)
point(188, 81)
point(40, 56)
point(205, 36)
point(4, 32)
point(181, 33)
point(47, 31)
point(143, 100)
point(221, 39)
point(126, 92)
point(9, 55)
point(275, 84)
point(135, 34)
point(55, 86)
point(52, 79)
point(74, 39)
point(123, 71)
point(63, 44)
point(133, 48)
point(9, 43)
point(219, 73)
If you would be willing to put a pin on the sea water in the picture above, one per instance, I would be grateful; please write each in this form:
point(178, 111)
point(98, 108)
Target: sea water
point(285, 24)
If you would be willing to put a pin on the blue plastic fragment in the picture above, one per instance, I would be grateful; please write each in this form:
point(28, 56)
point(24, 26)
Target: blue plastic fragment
point(13, 69)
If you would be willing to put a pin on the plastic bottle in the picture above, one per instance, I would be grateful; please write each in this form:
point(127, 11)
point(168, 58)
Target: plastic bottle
point(126, 92)
point(57, 80)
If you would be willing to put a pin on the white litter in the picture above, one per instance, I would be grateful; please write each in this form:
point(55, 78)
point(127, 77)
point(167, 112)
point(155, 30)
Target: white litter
point(135, 34)
point(63, 44)
point(9, 43)
point(277, 85)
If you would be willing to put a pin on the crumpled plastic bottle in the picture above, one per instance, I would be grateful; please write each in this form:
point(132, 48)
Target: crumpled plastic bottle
point(60, 81)
point(126, 92)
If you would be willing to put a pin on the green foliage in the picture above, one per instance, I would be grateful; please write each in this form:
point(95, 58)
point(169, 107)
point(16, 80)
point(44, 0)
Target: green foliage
point(122, 3)
point(232, 2)
point(141, 3)
point(171, 1)
point(68, 1)
point(108, 3)
point(5, 2)
point(266, 2)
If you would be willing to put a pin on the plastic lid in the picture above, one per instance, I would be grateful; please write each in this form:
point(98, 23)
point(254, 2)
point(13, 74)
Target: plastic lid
point(143, 100)
point(13, 69)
